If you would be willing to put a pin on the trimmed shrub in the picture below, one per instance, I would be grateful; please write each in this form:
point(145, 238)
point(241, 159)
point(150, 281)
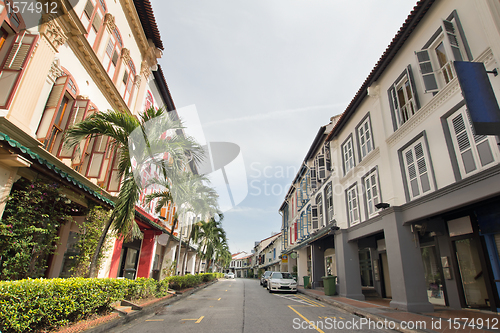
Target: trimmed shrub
point(29, 305)
point(41, 304)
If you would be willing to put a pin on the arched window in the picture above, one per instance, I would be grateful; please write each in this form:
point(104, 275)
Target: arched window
point(127, 84)
point(112, 54)
point(92, 18)
point(16, 47)
point(149, 100)
point(55, 119)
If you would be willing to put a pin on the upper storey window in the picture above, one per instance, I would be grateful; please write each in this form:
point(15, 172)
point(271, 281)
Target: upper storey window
point(403, 98)
point(112, 54)
point(127, 87)
point(436, 57)
point(92, 18)
point(16, 47)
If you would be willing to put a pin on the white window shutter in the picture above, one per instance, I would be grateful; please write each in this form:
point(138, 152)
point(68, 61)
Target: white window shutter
point(449, 31)
point(424, 62)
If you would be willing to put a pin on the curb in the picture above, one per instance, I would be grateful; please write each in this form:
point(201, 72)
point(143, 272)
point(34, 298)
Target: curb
point(362, 313)
point(148, 309)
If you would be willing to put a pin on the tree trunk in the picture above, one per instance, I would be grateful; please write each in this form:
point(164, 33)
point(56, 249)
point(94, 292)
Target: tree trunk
point(93, 264)
point(199, 262)
point(183, 268)
point(166, 245)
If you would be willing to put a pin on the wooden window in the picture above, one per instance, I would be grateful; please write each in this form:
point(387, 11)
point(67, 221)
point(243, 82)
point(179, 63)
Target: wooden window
point(365, 138)
point(348, 155)
point(371, 192)
point(436, 57)
point(474, 152)
point(352, 205)
point(14, 64)
point(403, 98)
point(56, 117)
point(417, 169)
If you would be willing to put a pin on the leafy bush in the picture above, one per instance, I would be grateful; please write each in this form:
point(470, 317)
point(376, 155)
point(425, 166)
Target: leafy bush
point(36, 304)
point(28, 305)
point(33, 215)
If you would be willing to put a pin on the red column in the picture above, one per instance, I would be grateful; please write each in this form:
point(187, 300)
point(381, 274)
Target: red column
point(146, 256)
point(115, 259)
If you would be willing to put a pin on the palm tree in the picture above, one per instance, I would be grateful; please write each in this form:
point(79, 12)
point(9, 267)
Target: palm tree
point(209, 236)
point(190, 195)
point(204, 206)
point(120, 126)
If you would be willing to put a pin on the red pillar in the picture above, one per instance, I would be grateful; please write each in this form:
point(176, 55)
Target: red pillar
point(115, 259)
point(146, 256)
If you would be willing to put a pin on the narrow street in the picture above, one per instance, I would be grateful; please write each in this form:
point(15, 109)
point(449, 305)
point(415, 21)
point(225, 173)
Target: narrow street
point(242, 305)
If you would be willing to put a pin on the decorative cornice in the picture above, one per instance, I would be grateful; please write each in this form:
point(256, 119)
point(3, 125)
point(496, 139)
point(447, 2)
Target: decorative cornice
point(145, 69)
point(125, 55)
point(52, 31)
point(55, 70)
point(109, 21)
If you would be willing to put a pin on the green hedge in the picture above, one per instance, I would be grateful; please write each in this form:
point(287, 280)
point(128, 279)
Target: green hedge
point(30, 305)
point(189, 281)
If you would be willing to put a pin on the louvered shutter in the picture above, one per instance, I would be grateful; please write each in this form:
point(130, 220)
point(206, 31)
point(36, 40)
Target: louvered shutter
point(14, 65)
point(313, 178)
point(463, 141)
point(393, 103)
point(113, 176)
point(314, 217)
point(53, 103)
point(320, 162)
point(89, 8)
point(424, 61)
point(449, 30)
point(417, 170)
point(97, 155)
point(413, 87)
point(76, 115)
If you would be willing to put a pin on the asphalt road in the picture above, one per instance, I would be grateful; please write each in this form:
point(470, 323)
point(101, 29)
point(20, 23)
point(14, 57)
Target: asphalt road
point(242, 305)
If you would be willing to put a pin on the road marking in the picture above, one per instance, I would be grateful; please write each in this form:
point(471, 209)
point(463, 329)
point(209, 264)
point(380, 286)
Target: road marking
point(197, 319)
point(225, 290)
point(310, 322)
point(294, 298)
point(311, 301)
point(155, 319)
point(219, 298)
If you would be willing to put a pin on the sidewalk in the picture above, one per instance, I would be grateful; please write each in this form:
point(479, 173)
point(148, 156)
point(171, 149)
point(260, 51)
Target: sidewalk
point(378, 309)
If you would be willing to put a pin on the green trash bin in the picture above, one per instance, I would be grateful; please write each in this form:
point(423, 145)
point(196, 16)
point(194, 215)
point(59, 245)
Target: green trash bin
point(329, 284)
point(306, 281)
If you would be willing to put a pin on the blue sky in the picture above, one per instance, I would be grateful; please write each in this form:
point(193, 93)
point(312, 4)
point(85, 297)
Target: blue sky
point(265, 75)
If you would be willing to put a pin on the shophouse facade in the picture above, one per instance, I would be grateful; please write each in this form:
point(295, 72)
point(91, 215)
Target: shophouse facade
point(58, 68)
point(405, 144)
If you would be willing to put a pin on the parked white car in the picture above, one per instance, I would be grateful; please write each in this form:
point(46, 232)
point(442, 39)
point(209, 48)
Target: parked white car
point(281, 282)
point(230, 275)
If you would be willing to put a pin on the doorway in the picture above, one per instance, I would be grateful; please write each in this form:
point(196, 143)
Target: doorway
point(365, 268)
point(433, 275)
point(471, 273)
point(386, 278)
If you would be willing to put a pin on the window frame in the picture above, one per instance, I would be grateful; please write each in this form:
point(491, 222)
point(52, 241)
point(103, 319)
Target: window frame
point(420, 138)
point(348, 140)
point(394, 102)
point(456, 48)
point(64, 87)
point(13, 43)
point(454, 146)
point(366, 120)
point(349, 199)
point(364, 188)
